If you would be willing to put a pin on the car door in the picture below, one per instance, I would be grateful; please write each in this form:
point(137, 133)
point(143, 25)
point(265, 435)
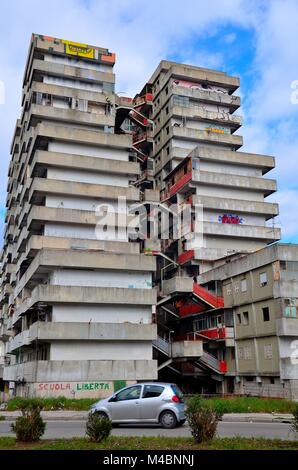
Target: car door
point(151, 402)
point(125, 405)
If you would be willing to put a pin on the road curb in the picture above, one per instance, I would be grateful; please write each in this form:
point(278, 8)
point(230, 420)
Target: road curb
point(228, 418)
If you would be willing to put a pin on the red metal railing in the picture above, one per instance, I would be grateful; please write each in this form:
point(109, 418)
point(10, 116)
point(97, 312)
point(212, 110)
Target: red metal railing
point(182, 182)
point(191, 309)
point(207, 296)
point(143, 99)
point(186, 256)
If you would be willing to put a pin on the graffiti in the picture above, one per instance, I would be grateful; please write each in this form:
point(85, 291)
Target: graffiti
point(80, 50)
point(53, 386)
point(199, 86)
point(93, 386)
point(230, 219)
point(75, 389)
point(217, 130)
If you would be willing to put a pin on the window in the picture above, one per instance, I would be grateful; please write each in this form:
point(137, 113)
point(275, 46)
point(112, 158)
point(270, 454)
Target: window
point(243, 285)
point(272, 380)
point(239, 318)
point(245, 318)
point(152, 391)
point(131, 393)
point(247, 352)
point(168, 150)
point(167, 110)
point(268, 354)
point(249, 379)
point(266, 314)
point(263, 279)
point(168, 129)
point(167, 90)
point(229, 289)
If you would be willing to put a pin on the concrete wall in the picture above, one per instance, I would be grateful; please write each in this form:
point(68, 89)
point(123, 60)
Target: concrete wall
point(102, 313)
point(102, 278)
point(87, 177)
point(111, 350)
point(89, 150)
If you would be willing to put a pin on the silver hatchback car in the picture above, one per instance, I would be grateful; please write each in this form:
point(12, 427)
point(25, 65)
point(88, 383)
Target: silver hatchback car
point(150, 402)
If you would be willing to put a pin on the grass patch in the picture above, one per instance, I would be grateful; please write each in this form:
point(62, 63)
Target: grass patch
point(150, 443)
point(222, 405)
point(2, 418)
point(48, 404)
point(252, 405)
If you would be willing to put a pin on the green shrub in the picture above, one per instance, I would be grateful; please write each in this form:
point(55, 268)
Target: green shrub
point(202, 418)
point(2, 418)
point(98, 427)
point(30, 426)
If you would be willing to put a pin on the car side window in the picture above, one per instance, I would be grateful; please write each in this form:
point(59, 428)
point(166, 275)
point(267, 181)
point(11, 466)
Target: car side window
point(131, 393)
point(152, 391)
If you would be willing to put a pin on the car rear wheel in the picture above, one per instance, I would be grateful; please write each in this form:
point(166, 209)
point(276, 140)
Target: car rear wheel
point(168, 419)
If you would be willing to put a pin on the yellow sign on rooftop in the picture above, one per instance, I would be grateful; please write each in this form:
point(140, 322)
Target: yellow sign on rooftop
point(78, 49)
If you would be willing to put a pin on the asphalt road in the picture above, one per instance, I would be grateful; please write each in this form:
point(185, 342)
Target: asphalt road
point(68, 429)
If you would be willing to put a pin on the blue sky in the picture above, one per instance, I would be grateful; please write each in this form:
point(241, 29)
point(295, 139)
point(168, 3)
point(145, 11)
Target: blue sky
point(255, 40)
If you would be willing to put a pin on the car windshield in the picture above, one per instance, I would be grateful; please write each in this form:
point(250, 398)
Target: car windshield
point(177, 392)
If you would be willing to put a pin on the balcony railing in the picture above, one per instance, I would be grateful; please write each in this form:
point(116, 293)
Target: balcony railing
point(163, 345)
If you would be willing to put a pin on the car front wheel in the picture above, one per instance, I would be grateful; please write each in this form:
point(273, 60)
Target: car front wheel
point(168, 419)
point(101, 414)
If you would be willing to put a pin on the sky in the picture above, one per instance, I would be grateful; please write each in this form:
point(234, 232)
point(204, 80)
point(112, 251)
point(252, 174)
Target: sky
point(255, 40)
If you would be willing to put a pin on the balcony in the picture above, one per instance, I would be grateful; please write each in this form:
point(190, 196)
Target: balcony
point(237, 205)
point(240, 231)
point(208, 96)
point(74, 116)
point(81, 371)
point(45, 186)
point(267, 186)
point(197, 113)
point(50, 294)
point(287, 326)
point(47, 260)
point(69, 71)
point(179, 349)
point(72, 331)
point(43, 159)
point(227, 140)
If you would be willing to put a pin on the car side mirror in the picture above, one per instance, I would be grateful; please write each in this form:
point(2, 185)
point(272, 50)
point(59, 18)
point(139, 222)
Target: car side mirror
point(113, 398)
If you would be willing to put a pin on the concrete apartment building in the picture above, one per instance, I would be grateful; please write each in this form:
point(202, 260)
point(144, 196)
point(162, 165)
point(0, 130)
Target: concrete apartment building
point(198, 162)
point(76, 295)
point(261, 289)
point(78, 303)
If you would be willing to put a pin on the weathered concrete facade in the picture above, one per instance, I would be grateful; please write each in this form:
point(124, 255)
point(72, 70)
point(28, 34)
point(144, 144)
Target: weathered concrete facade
point(198, 164)
point(262, 290)
point(76, 295)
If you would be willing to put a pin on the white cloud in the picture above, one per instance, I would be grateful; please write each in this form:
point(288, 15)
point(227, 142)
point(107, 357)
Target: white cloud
point(142, 33)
